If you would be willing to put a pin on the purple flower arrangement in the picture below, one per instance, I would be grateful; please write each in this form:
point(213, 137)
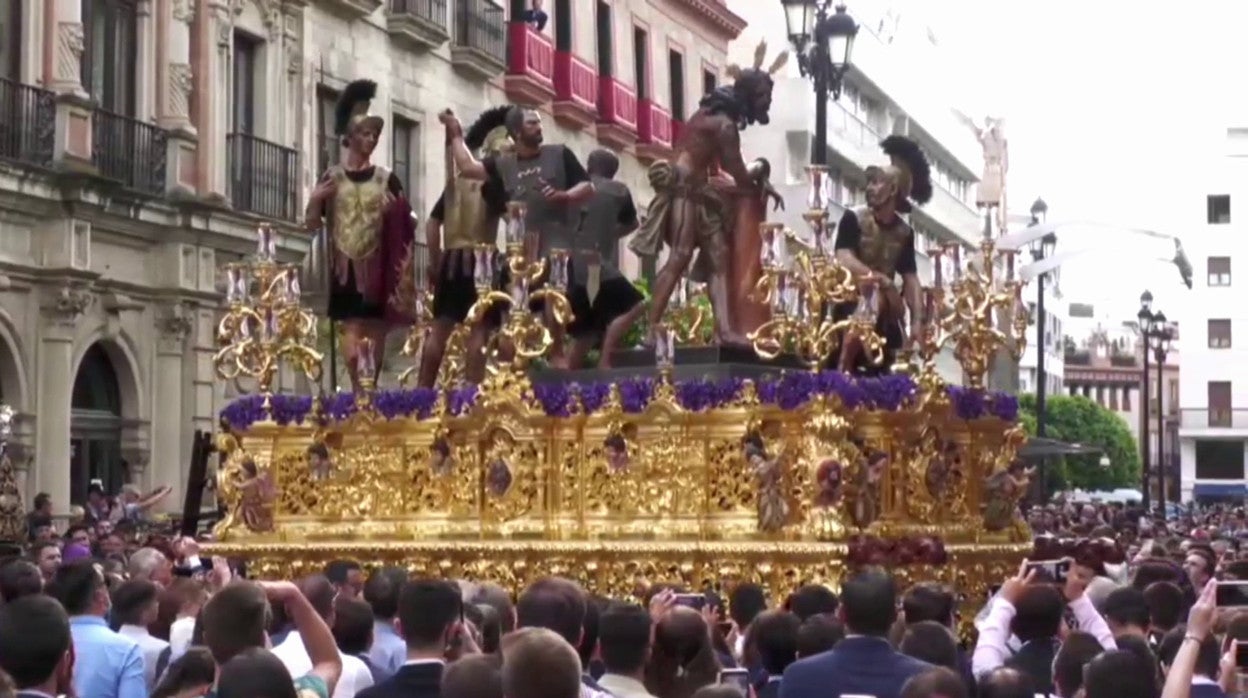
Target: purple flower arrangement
point(789, 391)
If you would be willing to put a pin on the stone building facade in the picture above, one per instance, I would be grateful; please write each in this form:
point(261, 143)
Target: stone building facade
point(143, 141)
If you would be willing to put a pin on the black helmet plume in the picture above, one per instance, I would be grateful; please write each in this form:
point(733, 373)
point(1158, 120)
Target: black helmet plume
point(355, 92)
point(489, 120)
point(906, 153)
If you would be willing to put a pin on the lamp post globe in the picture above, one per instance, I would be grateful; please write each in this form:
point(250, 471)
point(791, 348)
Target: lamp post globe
point(841, 30)
point(1048, 244)
point(800, 17)
point(1039, 209)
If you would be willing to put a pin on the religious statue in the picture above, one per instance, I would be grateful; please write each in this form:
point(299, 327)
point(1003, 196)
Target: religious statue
point(773, 503)
point(367, 234)
point(688, 211)
point(996, 151)
point(747, 312)
point(877, 245)
point(256, 497)
point(1002, 491)
point(466, 215)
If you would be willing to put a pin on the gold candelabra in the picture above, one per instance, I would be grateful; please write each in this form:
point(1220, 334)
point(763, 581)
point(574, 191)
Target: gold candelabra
point(687, 314)
point(265, 322)
point(969, 304)
point(803, 289)
point(524, 335)
point(454, 355)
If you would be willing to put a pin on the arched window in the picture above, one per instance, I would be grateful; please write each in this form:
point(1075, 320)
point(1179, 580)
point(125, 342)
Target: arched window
point(95, 426)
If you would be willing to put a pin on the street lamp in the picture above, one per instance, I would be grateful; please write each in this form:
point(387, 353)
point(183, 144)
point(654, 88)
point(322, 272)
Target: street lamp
point(1040, 249)
point(1104, 462)
point(1159, 337)
point(823, 38)
point(1156, 335)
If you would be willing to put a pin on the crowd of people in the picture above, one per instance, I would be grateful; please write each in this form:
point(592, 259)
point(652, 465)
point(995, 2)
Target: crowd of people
point(88, 614)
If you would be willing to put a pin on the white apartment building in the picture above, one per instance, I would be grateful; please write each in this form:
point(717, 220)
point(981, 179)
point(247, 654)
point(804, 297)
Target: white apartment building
point(1213, 429)
point(879, 98)
point(143, 141)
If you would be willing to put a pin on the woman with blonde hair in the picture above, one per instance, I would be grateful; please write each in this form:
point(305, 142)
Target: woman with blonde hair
point(682, 658)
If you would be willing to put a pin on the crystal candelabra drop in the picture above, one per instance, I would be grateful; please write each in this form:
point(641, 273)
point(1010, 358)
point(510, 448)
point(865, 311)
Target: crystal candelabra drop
point(967, 303)
point(523, 335)
point(804, 284)
point(265, 322)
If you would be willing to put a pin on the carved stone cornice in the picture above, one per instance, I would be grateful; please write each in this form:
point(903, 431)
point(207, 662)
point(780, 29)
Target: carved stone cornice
point(174, 324)
point(716, 15)
point(69, 304)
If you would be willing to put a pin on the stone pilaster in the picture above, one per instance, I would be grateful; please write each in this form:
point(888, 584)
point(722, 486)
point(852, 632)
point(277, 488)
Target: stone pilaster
point(170, 423)
point(174, 96)
point(213, 100)
point(55, 389)
point(64, 33)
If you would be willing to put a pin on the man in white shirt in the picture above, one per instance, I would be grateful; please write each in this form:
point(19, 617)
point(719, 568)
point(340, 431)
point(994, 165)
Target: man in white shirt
point(135, 606)
point(356, 677)
point(624, 645)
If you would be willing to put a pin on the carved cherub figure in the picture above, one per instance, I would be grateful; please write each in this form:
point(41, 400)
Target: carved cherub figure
point(773, 507)
point(1002, 491)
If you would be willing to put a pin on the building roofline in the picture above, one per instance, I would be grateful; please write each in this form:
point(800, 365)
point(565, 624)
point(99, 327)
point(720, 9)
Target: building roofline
point(717, 16)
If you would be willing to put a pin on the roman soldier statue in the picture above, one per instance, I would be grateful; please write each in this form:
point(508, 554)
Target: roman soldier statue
point(604, 302)
point(369, 232)
point(466, 215)
point(877, 244)
point(549, 179)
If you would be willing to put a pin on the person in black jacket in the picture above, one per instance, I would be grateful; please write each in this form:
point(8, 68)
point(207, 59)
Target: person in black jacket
point(431, 623)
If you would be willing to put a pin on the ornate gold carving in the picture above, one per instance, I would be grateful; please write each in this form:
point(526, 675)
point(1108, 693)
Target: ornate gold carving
point(12, 513)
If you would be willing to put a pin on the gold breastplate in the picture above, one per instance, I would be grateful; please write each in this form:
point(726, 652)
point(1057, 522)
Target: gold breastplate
point(880, 246)
point(357, 213)
point(467, 221)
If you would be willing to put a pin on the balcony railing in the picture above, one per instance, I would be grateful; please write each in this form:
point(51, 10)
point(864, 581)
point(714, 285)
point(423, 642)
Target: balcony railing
point(420, 23)
point(27, 124)
point(530, 53)
point(654, 124)
point(851, 127)
point(1214, 418)
point(479, 26)
point(420, 259)
point(432, 11)
point(575, 81)
point(264, 177)
point(617, 104)
point(129, 151)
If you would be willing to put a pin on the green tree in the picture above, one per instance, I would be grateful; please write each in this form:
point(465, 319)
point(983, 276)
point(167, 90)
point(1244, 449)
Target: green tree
point(1075, 419)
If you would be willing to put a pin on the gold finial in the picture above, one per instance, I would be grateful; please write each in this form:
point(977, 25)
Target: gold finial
point(759, 54)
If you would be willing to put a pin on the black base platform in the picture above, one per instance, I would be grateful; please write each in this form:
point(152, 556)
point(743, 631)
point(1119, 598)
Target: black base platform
point(692, 363)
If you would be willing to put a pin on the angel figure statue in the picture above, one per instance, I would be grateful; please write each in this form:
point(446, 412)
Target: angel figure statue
point(254, 496)
point(1002, 490)
point(996, 152)
point(773, 506)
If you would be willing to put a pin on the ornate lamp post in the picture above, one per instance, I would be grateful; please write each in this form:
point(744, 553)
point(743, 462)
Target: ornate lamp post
point(1147, 317)
point(1159, 337)
point(823, 37)
point(1041, 248)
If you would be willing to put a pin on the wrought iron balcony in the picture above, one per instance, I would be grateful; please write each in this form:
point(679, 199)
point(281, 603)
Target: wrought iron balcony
point(576, 91)
point(617, 113)
point(264, 177)
point(27, 124)
point(480, 46)
point(129, 151)
point(418, 23)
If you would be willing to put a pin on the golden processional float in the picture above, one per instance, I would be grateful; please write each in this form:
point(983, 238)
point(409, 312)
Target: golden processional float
point(793, 477)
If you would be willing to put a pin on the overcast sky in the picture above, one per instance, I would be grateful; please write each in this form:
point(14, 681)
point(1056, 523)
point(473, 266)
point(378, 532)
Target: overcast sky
point(1109, 106)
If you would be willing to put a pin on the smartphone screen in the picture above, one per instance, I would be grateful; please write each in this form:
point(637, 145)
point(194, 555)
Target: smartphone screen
point(694, 601)
point(1231, 594)
point(1241, 655)
point(1057, 569)
point(736, 677)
